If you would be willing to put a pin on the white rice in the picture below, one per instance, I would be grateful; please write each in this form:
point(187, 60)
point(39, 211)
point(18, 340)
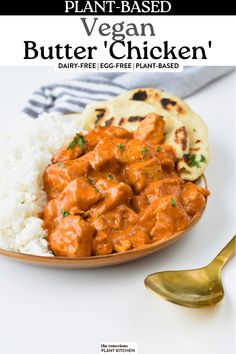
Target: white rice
point(26, 148)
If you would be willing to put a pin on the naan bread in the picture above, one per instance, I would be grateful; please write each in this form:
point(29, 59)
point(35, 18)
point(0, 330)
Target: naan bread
point(185, 131)
point(128, 115)
point(116, 112)
point(191, 165)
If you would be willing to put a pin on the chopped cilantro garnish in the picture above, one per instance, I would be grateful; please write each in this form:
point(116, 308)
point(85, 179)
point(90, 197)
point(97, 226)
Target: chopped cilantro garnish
point(158, 149)
point(64, 213)
point(98, 215)
point(97, 190)
point(78, 140)
point(109, 176)
point(144, 151)
point(203, 159)
point(90, 180)
point(172, 202)
point(120, 146)
point(60, 164)
point(192, 162)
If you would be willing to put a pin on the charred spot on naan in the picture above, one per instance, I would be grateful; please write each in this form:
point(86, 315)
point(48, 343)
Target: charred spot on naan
point(156, 96)
point(194, 149)
point(181, 137)
point(140, 95)
point(180, 110)
point(109, 122)
point(100, 114)
point(135, 118)
point(145, 95)
point(184, 172)
point(185, 157)
point(171, 105)
point(166, 102)
point(121, 121)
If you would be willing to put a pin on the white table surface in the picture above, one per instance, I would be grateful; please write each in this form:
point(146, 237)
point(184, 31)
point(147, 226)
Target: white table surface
point(52, 311)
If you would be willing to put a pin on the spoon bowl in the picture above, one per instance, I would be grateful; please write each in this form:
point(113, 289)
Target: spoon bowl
point(193, 288)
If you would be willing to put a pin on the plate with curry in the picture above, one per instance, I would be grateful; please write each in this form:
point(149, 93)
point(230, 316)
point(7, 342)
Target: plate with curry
point(128, 182)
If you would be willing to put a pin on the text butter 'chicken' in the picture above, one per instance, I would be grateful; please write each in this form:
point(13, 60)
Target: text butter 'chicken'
point(113, 191)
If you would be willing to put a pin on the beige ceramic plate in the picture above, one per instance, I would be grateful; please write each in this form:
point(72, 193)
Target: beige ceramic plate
point(102, 261)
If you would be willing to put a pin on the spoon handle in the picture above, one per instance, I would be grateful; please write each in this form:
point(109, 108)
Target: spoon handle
point(225, 254)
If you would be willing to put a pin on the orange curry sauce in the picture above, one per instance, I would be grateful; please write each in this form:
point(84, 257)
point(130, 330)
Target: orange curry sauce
point(113, 191)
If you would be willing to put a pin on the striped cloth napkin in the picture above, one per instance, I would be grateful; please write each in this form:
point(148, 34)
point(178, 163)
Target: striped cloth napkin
point(73, 95)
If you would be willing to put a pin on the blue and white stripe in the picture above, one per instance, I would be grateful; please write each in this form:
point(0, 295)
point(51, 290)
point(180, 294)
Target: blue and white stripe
point(73, 95)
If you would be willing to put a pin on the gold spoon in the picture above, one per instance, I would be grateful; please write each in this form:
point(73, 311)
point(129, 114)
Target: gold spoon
point(195, 287)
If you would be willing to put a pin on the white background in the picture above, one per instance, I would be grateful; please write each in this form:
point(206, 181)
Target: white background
point(56, 311)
